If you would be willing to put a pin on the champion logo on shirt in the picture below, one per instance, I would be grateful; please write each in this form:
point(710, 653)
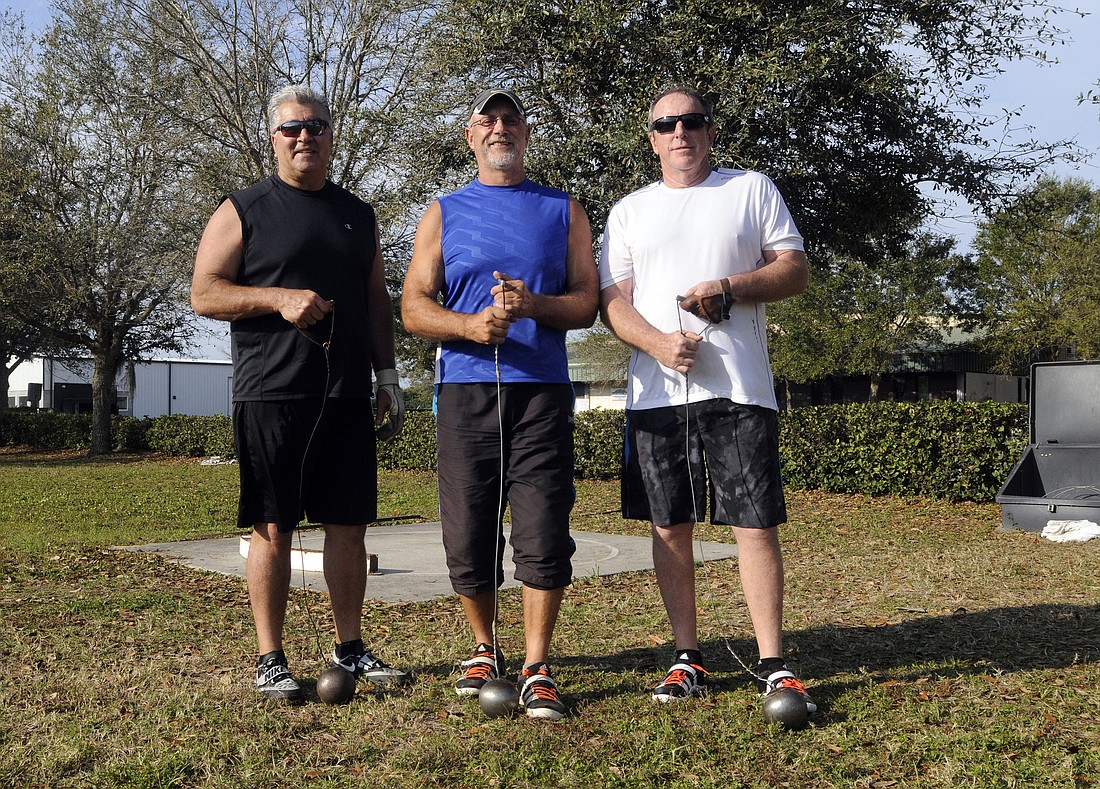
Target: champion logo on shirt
point(347, 227)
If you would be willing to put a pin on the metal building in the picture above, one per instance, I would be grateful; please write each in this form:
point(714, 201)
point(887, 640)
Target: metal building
point(146, 389)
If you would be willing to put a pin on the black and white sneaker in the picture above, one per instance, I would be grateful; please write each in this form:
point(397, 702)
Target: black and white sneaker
point(483, 665)
point(686, 678)
point(783, 677)
point(539, 693)
point(366, 666)
point(274, 680)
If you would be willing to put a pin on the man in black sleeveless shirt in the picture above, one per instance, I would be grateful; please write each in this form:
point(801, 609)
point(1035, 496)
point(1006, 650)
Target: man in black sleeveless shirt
point(294, 264)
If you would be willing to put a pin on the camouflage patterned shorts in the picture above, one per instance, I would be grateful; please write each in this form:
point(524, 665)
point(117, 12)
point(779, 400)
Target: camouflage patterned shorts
point(734, 455)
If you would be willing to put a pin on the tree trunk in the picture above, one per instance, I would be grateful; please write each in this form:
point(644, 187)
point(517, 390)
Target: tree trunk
point(876, 382)
point(4, 373)
point(104, 398)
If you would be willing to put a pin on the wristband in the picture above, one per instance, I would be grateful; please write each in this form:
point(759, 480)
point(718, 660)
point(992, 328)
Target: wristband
point(385, 377)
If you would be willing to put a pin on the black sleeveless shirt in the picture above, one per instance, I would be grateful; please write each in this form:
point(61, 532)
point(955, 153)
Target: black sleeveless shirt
point(315, 240)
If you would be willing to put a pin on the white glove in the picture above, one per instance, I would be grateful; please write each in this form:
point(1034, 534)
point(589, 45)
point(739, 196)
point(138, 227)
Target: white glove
point(388, 424)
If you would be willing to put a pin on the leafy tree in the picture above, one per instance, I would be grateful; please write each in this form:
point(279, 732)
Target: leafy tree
point(859, 319)
point(145, 112)
point(1038, 283)
point(850, 105)
point(20, 214)
point(19, 339)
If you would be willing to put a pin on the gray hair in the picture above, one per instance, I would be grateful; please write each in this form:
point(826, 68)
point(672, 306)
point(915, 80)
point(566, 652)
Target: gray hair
point(298, 94)
point(708, 107)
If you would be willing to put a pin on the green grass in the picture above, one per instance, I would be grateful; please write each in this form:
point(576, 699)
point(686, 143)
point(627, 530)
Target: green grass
point(943, 652)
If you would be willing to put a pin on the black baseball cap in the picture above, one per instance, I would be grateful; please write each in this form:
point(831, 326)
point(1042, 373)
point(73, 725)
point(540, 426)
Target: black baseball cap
point(489, 94)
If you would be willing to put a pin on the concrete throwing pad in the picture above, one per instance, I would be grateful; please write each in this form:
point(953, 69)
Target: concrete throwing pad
point(410, 561)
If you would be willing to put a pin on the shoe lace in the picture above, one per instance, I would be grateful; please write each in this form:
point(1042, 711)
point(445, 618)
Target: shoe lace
point(685, 676)
point(478, 669)
point(541, 686)
point(679, 676)
point(791, 682)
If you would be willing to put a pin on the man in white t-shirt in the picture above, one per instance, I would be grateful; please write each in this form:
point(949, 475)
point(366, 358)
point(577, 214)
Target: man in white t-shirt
point(686, 267)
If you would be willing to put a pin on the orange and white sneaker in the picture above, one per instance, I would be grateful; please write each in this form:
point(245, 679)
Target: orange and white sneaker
point(685, 678)
point(479, 669)
point(784, 678)
point(538, 693)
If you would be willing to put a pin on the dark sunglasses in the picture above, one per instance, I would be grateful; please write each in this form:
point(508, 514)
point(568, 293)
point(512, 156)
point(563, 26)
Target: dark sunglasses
point(315, 126)
point(691, 121)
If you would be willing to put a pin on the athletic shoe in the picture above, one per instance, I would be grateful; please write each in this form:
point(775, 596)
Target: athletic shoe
point(539, 694)
point(686, 678)
point(479, 669)
point(783, 678)
point(366, 666)
point(274, 680)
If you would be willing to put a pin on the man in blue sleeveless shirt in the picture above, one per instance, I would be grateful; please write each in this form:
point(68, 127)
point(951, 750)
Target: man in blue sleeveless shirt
point(501, 269)
point(293, 262)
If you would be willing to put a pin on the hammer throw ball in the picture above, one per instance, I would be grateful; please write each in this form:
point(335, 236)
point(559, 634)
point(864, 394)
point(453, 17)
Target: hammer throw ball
point(336, 685)
point(786, 707)
point(498, 698)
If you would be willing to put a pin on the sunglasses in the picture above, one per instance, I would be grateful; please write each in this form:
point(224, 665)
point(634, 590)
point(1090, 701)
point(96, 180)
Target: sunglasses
point(691, 121)
point(490, 121)
point(315, 126)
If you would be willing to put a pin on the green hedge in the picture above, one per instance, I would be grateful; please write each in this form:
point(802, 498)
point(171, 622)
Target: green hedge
point(598, 443)
point(414, 449)
point(192, 436)
point(946, 450)
point(953, 451)
point(45, 429)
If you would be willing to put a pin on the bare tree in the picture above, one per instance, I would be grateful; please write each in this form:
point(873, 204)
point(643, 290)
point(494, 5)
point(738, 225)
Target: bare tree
point(365, 55)
point(111, 210)
point(141, 114)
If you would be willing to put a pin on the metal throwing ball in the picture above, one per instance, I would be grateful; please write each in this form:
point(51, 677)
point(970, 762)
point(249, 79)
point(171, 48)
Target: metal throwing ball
point(786, 707)
point(336, 685)
point(498, 698)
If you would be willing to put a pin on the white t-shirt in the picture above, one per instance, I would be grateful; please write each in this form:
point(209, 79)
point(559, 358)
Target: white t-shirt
point(668, 240)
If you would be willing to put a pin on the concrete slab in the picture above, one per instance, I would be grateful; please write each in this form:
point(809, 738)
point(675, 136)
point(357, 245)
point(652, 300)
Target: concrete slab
point(410, 559)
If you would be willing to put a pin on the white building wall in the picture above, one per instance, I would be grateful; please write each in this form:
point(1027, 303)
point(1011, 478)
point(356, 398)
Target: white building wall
point(161, 387)
point(183, 387)
point(609, 398)
point(150, 397)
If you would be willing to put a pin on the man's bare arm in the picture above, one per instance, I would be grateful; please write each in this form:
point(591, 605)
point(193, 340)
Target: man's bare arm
point(675, 350)
point(421, 312)
point(784, 274)
point(214, 289)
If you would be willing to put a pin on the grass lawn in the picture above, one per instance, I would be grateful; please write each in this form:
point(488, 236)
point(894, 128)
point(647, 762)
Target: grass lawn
point(942, 652)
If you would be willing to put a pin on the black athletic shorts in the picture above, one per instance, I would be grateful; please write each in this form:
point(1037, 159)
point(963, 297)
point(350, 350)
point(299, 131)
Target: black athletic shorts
point(338, 479)
point(734, 452)
point(538, 482)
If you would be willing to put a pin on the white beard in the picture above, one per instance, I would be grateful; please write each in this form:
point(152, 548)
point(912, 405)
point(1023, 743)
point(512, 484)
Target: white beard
point(500, 159)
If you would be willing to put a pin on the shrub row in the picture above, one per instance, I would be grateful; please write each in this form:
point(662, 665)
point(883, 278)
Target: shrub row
point(178, 434)
point(946, 450)
point(953, 451)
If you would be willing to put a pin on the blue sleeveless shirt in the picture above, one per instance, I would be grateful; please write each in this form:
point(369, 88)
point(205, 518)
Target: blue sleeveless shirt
point(521, 231)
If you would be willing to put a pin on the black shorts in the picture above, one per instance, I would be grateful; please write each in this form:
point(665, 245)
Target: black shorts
point(538, 482)
point(734, 453)
point(338, 480)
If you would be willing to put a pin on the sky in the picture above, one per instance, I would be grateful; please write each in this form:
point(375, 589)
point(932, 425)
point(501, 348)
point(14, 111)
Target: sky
point(1046, 96)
